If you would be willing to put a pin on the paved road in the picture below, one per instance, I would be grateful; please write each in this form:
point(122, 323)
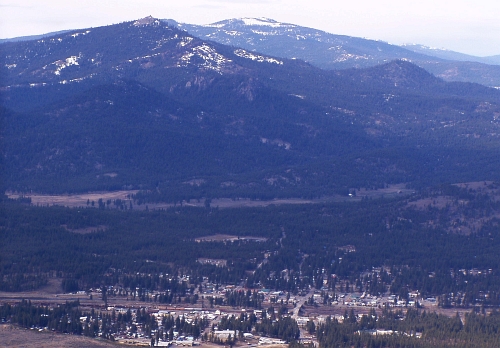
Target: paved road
point(301, 301)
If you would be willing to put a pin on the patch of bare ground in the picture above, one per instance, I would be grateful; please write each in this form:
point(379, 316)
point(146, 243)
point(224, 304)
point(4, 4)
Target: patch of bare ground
point(459, 221)
point(46, 292)
point(439, 202)
point(490, 188)
point(215, 262)
point(246, 202)
point(237, 344)
point(195, 182)
point(228, 238)
point(54, 286)
point(12, 336)
point(476, 185)
point(339, 310)
point(74, 200)
point(86, 230)
point(390, 190)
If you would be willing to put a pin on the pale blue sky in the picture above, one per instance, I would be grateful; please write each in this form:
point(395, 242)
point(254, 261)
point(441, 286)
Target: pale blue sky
point(465, 26)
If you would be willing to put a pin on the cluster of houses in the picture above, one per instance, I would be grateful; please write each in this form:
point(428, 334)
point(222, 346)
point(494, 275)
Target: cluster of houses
point(383, 332)
point(134, 335)
point(365, 300)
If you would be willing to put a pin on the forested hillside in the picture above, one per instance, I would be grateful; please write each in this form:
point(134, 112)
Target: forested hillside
point(142, 105)
point(377, 246)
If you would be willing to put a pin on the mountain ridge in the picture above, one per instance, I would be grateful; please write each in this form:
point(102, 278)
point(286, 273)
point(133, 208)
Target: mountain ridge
point(452, 55)
point(331, 51)
point(158, 107)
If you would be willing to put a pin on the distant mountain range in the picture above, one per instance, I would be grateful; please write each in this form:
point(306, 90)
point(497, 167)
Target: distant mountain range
point(145, 105)
point(33, 37)
point(330, 51)
point(451, 55)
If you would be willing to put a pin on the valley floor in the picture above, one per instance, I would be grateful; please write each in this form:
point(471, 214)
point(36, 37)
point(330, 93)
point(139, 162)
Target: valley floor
point(80, 200)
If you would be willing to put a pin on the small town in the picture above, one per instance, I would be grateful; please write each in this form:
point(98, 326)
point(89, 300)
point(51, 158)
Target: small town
point(137, 318)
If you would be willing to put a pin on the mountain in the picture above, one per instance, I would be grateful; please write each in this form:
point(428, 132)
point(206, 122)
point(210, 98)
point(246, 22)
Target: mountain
point(329, 51)
point(145, 105)
point(451, 55)
point(33, 37)
point(320, 48)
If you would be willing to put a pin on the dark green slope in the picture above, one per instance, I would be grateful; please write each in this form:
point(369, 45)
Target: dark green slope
point(122, 129)
point(124, 134)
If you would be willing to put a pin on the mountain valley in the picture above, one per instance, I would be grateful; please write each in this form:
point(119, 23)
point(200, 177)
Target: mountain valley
point(171, 185)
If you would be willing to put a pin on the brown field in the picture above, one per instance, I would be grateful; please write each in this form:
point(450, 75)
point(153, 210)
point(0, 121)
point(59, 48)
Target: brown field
point(461, 223)
point(476, 185)
point(246, 202)
point(340, 309)
point(390, 190)
point(86, 229)
point(484, 187)
point(12, 336)
point(73, 200)
point(228, 238)
point(439, 202)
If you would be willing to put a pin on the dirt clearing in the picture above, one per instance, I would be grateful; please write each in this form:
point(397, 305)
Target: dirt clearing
point(74, 200)
point(12, 336)
point(228, 238)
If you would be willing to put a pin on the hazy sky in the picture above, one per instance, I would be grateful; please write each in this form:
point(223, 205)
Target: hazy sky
point(467, 26)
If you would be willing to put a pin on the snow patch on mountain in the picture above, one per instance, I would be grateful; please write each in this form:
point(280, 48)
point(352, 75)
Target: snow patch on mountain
point(78, 34)
point(246, 21)
point(265, 33)
point(261, 21)
point(80, 79)
point(423, 47)
point(62, 64)
point(232, 32)
point(347, 56)
point(249, 55)
point(278, 142)
point(212, 60)
point(39, 84)
point(185, 41)
point(144, 57)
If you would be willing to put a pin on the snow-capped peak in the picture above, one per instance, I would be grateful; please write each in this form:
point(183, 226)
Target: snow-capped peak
point(413, 45)
point(247, 21)
point(261, 21)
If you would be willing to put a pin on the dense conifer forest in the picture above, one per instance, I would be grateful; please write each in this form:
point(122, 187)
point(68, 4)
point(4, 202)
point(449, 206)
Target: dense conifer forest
point(379, 246)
